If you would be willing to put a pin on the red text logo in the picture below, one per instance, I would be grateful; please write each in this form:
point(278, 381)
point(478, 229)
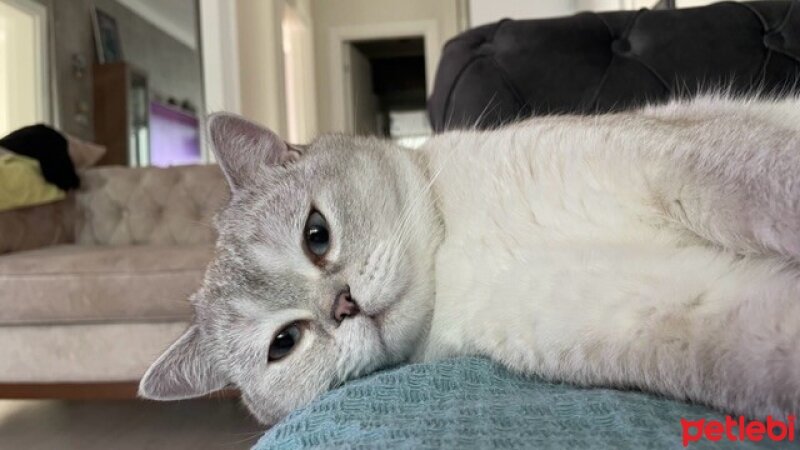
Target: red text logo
point(738, 430)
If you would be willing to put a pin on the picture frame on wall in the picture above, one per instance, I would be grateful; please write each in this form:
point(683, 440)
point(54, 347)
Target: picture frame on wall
point(106, 37)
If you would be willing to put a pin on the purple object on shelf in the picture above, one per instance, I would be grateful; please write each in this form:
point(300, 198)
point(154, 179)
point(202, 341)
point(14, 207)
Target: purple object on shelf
point(174, 137)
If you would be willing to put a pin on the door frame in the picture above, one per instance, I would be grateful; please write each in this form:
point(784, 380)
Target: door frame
point(43, 48)
point(339, 81)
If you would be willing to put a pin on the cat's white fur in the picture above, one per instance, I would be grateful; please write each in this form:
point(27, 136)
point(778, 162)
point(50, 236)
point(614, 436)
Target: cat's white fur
point(656, 249)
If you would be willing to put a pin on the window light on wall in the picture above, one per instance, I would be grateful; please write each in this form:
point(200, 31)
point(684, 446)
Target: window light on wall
point(23, 81)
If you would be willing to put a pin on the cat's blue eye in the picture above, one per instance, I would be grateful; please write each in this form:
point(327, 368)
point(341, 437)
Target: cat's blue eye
point(316, 235)
point(283, 342)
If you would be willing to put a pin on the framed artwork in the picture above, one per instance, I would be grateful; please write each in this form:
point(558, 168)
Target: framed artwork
point(106, 37)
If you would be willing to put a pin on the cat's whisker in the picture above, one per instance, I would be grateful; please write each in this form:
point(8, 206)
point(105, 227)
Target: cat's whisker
point(483, 112)
point(404, 225)
point(203, 224)
point(247, 438)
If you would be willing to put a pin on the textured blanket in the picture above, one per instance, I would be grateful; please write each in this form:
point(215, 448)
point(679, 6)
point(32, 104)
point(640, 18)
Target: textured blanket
point(472, 403)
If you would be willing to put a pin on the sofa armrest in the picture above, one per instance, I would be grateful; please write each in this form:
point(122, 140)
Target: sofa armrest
point(37, 226)
point(128, 206)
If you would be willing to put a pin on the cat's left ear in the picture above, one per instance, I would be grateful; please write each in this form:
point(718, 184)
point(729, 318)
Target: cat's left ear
point(245, 149)
point(183, 371)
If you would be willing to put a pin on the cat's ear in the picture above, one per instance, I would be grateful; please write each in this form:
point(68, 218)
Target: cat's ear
point(183, 371)
point(245, 149)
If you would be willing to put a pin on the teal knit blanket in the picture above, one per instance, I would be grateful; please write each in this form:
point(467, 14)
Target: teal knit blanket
point(471, 403)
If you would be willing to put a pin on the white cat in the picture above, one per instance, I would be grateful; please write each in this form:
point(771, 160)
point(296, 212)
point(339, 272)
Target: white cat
point(657, 249)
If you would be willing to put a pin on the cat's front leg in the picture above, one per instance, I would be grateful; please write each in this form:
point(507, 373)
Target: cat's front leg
point(731, 344)
point(690, 323)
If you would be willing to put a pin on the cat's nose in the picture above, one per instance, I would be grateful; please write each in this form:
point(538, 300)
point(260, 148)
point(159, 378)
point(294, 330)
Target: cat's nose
point(344, 306)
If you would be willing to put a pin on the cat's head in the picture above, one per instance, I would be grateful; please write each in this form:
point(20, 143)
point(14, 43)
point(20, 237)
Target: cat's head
point(344, 218)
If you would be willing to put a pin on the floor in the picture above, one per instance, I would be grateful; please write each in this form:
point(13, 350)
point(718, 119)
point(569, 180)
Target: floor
point(126, 425)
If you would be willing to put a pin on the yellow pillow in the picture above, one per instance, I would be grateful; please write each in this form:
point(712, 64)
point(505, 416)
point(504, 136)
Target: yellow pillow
point(22, 183)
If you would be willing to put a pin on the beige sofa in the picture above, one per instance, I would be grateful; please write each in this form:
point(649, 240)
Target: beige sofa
point(93, 288)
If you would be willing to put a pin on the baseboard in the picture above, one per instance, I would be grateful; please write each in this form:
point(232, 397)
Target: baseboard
point(70, 391)
point(124, 390)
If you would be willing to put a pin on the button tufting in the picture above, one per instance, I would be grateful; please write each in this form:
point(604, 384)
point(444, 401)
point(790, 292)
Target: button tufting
point(621, 46)
point(774, 40)
point(486, 48)
point(547, 66)
point(143, 205)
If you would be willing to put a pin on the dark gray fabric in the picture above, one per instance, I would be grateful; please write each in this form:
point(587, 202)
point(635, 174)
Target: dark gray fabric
point(601, 62)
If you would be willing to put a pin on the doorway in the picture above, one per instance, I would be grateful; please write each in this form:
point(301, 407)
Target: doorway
point(388, 91)
point(380, 77)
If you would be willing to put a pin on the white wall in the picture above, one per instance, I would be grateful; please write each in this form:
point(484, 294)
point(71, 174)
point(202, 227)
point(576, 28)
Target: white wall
point(24, 90)
point(485, 11)
point(337, 14)
point(220, 50)
point(243, 55)
point(243, 59)
point(261, 66)
point(178, 18)
point(298, 56)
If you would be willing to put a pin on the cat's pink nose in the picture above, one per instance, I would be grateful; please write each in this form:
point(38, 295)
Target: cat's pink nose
point(344, 306)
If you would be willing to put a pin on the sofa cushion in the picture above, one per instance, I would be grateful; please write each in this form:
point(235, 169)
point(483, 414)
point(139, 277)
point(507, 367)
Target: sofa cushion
point(149, 205)
point(73, 283)
point(83, 353)
point(37, 226)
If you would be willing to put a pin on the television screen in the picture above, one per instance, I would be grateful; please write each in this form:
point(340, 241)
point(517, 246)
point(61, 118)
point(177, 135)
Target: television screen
point(174, 136)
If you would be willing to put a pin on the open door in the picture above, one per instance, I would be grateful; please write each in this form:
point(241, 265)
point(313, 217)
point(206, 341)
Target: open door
point(364, 109)
point(386, 84)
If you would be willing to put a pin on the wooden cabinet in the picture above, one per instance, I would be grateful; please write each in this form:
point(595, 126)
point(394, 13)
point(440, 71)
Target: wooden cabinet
point(121, 114)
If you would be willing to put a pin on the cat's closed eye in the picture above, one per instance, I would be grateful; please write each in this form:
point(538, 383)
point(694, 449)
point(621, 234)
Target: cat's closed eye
point(316, 236)
point(284, 342)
